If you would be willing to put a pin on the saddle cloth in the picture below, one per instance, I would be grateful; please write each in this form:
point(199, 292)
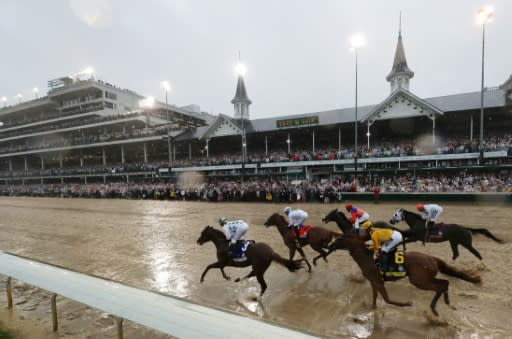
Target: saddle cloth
point(303, 231)
point(239, 250)
point(394, 266)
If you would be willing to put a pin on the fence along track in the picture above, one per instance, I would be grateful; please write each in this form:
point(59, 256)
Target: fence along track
point(167, 314)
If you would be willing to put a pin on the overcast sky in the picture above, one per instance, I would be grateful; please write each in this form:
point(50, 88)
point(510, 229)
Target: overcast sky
point(297, 52)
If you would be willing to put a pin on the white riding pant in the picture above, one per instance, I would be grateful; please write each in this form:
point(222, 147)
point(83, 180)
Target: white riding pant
point(396, 238)
point(361, 220)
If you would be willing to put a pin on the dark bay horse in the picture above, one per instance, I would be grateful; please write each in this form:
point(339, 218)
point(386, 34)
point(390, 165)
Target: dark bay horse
point(346, 226)
point(259, 256)
point(455, 234)
point(317, 237)
point(421, 268)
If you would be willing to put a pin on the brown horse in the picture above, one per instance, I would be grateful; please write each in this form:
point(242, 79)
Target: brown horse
point(421, 268)
point(317, 237)
point(259, 256)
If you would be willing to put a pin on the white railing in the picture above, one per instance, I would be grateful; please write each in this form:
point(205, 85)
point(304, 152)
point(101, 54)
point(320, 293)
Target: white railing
point(171, 315)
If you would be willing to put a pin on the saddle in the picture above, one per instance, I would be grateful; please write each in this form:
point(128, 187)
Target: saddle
point(303, 231)
point(238, 251)
point(436, 232)
point(392, 264)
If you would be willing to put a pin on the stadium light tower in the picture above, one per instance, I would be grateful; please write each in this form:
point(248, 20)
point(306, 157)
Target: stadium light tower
point(35, 90)
point(4, 100)
point(483, 17)
point(19, 96)
point(166, 86)
point(356, 42)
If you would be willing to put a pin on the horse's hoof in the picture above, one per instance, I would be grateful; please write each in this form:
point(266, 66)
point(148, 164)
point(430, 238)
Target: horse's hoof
point(452, 307)
point(237, 280)
point(201, 281)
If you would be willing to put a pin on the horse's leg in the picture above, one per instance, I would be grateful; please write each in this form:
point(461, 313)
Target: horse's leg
point(250, 275)
point(214, 265)
point(262, 282)
point(430, 283)
point(320, 250)
point(468, 244)
point(474, 251)
point(227, 277)
point(323, 255)
point(292, 249)
point(379, 286)
point(301, 251)
point(454, 244)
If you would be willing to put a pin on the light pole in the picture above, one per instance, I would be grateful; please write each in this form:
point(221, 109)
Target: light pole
point(35, 90)
point(19, 96)
point(4, 100)
point(483, 16)
point(357, 42)
point(167, 87)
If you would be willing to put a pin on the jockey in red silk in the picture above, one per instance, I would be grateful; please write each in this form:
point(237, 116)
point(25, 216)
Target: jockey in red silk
point(358, 216)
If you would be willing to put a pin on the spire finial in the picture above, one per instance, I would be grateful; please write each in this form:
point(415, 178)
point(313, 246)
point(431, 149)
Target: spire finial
point(400, 24)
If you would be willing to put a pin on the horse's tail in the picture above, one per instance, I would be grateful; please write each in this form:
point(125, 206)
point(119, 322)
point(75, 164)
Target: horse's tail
point(291, 265)
point(485, 232)
point(466, 275)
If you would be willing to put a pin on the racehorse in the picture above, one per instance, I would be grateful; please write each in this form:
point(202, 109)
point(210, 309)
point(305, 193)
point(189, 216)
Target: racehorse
point(259, 256)
point(317, 237)
point(421, 268)
point(346, 226)
point(455, 234)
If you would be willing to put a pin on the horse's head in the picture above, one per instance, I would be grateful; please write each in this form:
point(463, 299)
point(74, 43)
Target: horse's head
point(275, 219)
point(397, 216)
point(206, 235)
point(331, 216)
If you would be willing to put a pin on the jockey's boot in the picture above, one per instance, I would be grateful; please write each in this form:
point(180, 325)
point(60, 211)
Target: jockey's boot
point(297, 237)
point(384, 260)
point(232, 250)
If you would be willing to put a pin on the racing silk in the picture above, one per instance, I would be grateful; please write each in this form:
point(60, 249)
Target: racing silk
point(359, 216)
point(235, 230)
point(432, 212)
point(385, 238)
point(297, 217)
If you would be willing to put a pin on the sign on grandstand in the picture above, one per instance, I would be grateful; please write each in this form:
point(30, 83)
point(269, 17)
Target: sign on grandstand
point(312, 120)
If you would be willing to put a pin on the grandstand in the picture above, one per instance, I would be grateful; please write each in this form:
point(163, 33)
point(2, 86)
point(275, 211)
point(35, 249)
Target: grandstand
point(89, 131)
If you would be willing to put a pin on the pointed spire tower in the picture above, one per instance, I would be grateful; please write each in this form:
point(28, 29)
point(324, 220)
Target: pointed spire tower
point(400, 73)
point(241, 101)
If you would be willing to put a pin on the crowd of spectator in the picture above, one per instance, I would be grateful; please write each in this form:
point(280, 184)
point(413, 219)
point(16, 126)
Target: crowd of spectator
point(271, 190)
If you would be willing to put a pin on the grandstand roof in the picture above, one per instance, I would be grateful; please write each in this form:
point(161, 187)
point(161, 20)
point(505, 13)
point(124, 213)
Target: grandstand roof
point(446, 104)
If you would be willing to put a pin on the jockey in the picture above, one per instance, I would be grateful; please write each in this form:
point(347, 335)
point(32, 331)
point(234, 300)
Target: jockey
point(234, 230)
point(359, 216)
point(430, 213)
point(296, 219)
point(384, 240)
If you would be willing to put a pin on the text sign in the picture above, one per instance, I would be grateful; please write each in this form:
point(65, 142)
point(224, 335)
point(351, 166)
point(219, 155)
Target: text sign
point(297, 122)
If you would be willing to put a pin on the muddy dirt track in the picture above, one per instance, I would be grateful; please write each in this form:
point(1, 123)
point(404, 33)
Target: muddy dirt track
point(152, 245)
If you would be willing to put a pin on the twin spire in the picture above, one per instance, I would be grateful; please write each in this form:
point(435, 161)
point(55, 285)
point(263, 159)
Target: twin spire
point(398, 78)
point(400, 72)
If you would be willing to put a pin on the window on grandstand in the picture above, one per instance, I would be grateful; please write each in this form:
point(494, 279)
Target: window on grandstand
point(110, 95)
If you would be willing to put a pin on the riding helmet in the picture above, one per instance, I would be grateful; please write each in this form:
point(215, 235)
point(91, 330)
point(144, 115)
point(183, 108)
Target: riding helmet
point(223, 220)
point(420, 207)
point(348, 207)
point(287, 210)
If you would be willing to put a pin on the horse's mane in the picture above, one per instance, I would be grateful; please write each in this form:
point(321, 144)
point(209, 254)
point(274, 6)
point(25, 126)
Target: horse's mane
point(216, 232)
